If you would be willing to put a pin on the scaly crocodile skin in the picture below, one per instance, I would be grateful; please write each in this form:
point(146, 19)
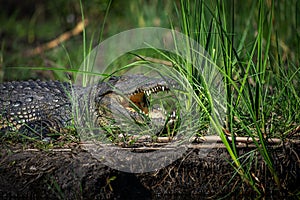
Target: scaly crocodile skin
point(43, 107)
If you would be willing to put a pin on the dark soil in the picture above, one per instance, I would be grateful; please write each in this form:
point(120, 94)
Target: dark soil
point(73, 173)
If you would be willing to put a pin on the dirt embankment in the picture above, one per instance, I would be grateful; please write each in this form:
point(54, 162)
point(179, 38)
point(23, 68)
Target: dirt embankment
point(73, 173)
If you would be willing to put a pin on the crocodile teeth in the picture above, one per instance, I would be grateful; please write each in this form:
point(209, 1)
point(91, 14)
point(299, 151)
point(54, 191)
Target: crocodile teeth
point(148, 92)
point(155, 89)
point(173, 114)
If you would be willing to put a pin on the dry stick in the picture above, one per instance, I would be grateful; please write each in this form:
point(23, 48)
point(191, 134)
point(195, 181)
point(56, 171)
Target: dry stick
point(208, 142)
point(296, 130)
point(54, 43)
point(54, 150)
point(205, 139)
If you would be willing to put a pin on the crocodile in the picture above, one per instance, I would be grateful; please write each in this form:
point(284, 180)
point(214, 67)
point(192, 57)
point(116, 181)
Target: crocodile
point(46, 108)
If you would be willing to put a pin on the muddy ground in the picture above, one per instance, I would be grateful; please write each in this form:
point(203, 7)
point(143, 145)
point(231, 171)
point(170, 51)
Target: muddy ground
point(73, 173)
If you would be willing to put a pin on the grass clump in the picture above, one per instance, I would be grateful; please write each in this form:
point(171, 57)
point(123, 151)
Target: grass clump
point(256, 78)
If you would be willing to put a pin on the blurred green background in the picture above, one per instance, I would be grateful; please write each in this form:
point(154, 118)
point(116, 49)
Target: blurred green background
point(28, 24)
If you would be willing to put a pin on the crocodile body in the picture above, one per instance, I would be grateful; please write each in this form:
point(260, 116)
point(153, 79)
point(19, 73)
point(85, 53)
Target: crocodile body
point(48, 107)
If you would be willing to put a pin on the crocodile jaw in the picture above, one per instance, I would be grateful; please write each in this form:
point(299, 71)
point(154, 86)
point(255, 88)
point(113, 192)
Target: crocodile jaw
point(134, 105)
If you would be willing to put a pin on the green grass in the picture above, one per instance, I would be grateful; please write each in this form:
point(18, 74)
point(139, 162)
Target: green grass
point(255, 83)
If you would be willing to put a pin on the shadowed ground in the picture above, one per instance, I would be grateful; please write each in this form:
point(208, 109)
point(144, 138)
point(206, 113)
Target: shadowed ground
point(72, 173)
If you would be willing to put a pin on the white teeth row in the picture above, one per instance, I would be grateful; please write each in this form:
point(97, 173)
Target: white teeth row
point(152, 90)
point(155, 89)
point(147, 92)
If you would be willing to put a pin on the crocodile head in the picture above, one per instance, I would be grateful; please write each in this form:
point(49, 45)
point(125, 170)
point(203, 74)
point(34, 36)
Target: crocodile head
point(131, 99)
